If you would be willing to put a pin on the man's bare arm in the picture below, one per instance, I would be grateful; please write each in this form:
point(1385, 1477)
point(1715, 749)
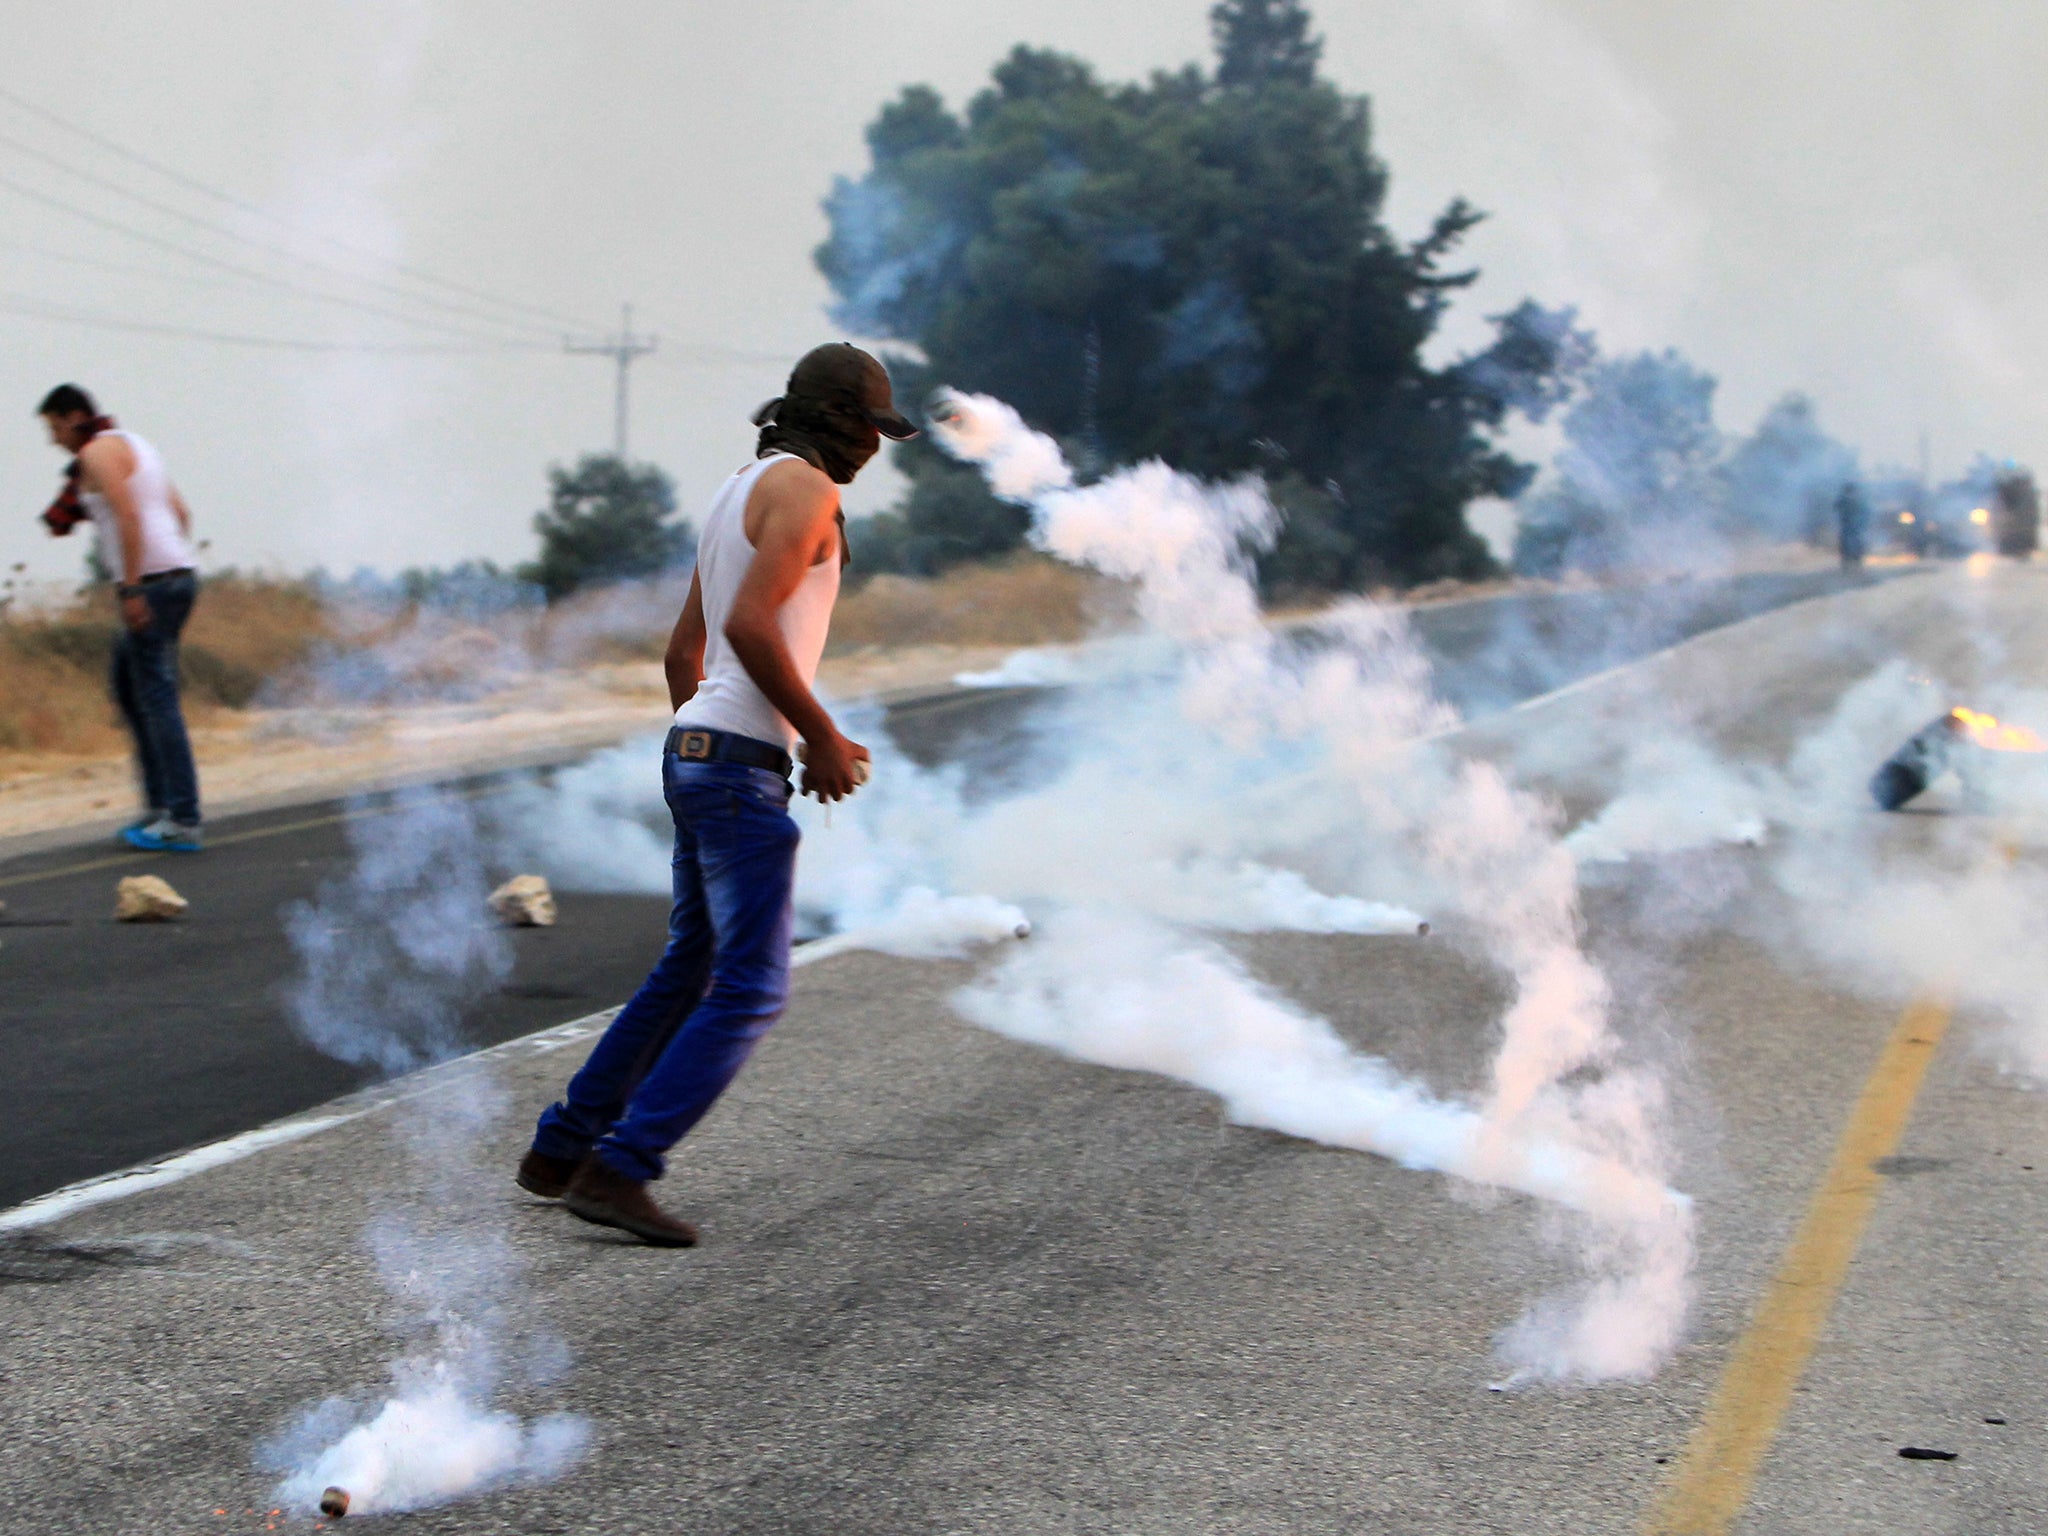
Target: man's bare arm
point(792, 523)
point(184, 512)
point(684, 660)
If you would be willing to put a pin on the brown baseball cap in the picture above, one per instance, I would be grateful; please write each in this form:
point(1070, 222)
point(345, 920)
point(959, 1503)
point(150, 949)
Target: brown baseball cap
point(840, 371)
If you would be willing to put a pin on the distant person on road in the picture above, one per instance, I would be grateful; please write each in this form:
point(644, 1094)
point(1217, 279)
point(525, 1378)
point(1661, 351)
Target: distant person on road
point(740, 667)
point(1852, 522)
point(117, 480)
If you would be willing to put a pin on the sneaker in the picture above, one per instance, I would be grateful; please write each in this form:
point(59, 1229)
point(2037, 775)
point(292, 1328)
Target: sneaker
point(139, 826)
point(163, 836)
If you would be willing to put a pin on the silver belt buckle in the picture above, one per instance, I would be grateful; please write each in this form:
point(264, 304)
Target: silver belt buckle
point(694, 744)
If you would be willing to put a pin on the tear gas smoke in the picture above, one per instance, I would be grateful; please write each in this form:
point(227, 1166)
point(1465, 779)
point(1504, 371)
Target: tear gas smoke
point(1904, 905)
point(394, 948)
point(1894, 906)
point(1319, 750)
point(1699, 800)
point(1092, 662)
point(1241, 781)
point(434, 1438)
point(392, 951)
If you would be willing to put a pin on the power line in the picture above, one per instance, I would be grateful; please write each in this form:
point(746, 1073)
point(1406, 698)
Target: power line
point(227, 266)
point(684, 357)
point(71, 259)
point(258, 211)
point(712, 354)
point(266, 246)
point(675, 356)
point(21, 304)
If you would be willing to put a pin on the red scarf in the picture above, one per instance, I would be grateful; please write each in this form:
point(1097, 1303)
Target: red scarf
point(68, 510)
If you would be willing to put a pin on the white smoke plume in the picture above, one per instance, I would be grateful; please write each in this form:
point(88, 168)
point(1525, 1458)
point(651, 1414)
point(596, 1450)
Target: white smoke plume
point(392, 952)
point(1942, 901)
point(1945, 904)
point(1698, 800)
point(1276, 737)
point(1211, 776)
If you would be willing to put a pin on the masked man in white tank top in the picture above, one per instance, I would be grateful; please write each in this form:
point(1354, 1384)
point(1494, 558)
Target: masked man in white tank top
point(740, 668)
point(118, 482)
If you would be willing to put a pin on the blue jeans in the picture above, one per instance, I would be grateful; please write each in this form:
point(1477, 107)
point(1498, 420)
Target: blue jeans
point(722, 981)
point(145, 686)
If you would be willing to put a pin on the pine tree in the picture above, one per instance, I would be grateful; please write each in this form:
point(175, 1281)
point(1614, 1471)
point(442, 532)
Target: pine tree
point(1259, 42)
point(606, 521)
point(1194, 269)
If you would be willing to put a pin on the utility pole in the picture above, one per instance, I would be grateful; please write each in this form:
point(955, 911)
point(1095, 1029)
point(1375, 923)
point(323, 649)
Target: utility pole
point(621, 349)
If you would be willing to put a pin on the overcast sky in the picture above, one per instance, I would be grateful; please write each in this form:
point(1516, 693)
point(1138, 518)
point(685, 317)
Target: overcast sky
point(1839, 196)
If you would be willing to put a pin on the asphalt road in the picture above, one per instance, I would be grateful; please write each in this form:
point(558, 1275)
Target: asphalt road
point(122, 1043)
point(1492, 654)
point(952, 1283)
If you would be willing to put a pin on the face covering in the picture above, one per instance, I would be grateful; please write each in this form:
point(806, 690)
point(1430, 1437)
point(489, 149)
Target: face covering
point(836, 439)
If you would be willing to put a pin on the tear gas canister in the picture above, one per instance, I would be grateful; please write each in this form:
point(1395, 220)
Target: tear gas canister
point(1915, 765)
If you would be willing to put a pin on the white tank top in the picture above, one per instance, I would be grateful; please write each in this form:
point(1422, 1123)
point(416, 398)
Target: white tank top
point(164, 545)
point(727, 699)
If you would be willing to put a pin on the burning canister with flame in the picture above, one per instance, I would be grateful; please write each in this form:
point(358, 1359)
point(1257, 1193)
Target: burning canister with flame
point(1928, 751)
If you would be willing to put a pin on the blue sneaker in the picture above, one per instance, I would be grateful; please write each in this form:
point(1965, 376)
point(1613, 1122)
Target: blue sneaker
point(163, 836)
point(143, 825)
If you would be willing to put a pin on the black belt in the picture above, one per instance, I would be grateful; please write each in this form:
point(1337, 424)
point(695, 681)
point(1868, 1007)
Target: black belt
point(699, 746)
point(156, 576)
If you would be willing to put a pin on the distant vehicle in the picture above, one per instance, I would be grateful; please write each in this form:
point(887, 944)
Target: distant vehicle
point(2016, 515)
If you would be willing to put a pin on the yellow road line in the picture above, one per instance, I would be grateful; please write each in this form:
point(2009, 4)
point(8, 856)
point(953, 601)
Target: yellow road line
point(1710, 1486)
point(136, 855)
point(74, 869)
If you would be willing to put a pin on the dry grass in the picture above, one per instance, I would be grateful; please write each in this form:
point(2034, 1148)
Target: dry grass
point(247, 629)
point(1027, 600)
point(53, 662)
point(274, 638)
point(47, 703)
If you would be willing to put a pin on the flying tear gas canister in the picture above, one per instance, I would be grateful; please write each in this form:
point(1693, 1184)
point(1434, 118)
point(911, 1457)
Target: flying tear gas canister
point(334, 1502)
point(1915, 765)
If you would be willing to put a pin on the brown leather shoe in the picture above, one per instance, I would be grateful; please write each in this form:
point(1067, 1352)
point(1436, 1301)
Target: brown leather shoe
point(545, 1176)
point(610, 1199)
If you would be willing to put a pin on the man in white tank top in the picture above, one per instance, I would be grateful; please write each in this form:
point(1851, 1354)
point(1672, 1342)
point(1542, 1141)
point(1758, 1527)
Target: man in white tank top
point(740, 665)
point(118, 481)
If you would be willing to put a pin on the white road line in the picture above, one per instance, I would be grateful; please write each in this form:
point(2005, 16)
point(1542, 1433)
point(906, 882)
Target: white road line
point(1654, 658)
point(73, 1198)
point(120, 1184)
point(133, 1181)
